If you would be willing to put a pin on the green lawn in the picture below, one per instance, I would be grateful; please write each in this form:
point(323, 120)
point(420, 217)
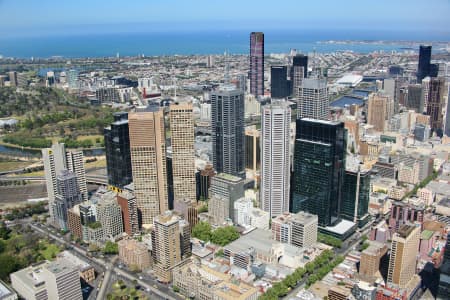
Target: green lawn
point(12, 165)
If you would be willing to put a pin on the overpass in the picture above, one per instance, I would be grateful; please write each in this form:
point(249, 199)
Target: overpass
point(93, 179)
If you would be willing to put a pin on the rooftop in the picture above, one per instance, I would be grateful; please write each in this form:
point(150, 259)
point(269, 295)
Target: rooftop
point(260, 240)
point(228, 177)
point(342, 227)
point(5, 291)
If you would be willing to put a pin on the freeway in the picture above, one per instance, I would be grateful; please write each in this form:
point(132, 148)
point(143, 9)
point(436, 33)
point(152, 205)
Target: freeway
point(96, 179)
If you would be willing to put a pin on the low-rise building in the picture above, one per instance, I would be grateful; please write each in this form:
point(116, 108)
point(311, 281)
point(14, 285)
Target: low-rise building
point(132, 252)
point(87, 272)
point(6, 293)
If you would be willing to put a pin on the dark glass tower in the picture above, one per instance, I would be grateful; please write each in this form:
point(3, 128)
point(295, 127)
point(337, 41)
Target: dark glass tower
point(435, 104)
point(117, 148)
point(414, 100)
point(423, 70)
point(228, 130)
point(279, 84)
point(301, 60)
point(319, 163)
point(257, 63)
point(356, 196)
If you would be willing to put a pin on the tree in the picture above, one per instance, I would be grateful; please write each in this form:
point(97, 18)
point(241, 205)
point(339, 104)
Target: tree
point(202, 231)
point(111, 248)
point(224, 235)
point(176, 289)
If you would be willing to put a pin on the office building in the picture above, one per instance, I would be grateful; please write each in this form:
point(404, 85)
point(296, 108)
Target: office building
point(415, 100)
point(404, 248)
point(313, 99)
point(134, 254)
point(423, 68)
point(299, 71)
point(298, 229)
point(148, 162)
point(48, 280)
point(279, 84)
point(67, 196)
point(227, 126)
point(109, 215)
point(275, 169)
point(256, 73)
point(188, 210)
point(167, 247)
point(252, 149)
point(183, 157)
point(355, 195)
point(227, 188)
point(74, 222)
point(319, 166)
point(377, 112)
point(117, 151)
point(370, 260)
point(85, 270)
point(128, 206)
point(435, 102)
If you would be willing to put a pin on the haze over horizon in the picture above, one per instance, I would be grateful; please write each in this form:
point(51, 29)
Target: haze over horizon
point(45, 18)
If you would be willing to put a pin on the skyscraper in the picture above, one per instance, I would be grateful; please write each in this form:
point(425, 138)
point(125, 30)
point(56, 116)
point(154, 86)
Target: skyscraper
point(299, 71)
point(148, 162)
point(402, 263)
point(67, 196)
point(167, 247)
point(414, 100)
point(225, 190)
point(279, 84)
point(127, 203)
point(183, 157)
point(313, 99)
point(423, 69)
point(319, 163)
point(275, 169)
point(435, 102)
point(109, 214)
point(228, 130)
point(355, 196)
point(117, 150)
point(56, 160)
point(257, 63)
point(377, 112)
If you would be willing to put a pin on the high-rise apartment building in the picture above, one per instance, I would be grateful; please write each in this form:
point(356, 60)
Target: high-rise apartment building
point(117, 151)
point(377, 112)
point(313, 99)
point(279, 84)
point(109, 215)
point(183, 157)
point(167, 247)
point(402, 263)
point(275, 169)
point(257, 63)
point(228, 130)
point(128, 205)
point(67, 196)
point(148, 162)
point(423, 68)
point(299, 71)
point(56, 160)
point(319, 165)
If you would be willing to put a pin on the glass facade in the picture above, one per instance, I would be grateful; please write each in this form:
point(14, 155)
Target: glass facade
point(279, 84)
point(319, 161)
point(117, 148)
point(257, 63)
point(349, 196)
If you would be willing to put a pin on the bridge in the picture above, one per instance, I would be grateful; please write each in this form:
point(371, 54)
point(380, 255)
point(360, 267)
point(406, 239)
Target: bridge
point(92, 179)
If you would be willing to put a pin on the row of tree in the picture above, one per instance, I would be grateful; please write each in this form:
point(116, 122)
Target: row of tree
point(220, 236)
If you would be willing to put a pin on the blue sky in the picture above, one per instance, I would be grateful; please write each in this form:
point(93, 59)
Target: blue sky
point(45, 17)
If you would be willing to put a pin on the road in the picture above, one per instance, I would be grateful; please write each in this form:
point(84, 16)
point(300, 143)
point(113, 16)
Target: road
point(161, 291)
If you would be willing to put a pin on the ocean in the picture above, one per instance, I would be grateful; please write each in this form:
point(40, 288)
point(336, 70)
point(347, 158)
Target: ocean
point(207, 42)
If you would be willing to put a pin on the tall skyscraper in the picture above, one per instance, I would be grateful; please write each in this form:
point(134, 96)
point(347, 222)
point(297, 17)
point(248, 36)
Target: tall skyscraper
point(319, 164)
point(228, 130)
point(275, 169)
point(117, 150)
point(257, 63)
point(148, 162)
point(423, 69)
point(402, 263)
point(183, 157)
point(414, 100)
point(355, 196)
point(435, 102)
point(225, 190)
point(167, 247)
point(279, 84)
point(299, 71)
point(56, 160)
point(313, 99)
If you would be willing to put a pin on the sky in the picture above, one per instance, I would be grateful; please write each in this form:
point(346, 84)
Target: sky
point(53, 17)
